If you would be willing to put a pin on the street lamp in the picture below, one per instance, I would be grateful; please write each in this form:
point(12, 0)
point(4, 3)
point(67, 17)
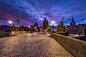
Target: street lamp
point(53, 22)
point(29, 28)
point(10, 22)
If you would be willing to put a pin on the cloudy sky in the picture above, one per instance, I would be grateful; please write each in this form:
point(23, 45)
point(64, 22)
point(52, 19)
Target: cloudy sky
point(31, 11)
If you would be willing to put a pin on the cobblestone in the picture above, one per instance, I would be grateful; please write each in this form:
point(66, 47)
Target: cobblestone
point(38, 44)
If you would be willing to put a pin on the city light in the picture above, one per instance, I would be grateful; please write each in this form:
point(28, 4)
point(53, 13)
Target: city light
point(35, 27)
point(29, 26)
point(10, 22)
point(53, 22)
point(66, 25)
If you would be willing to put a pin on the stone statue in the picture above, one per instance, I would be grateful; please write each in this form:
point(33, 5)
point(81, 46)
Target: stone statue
point(17, 21)
point(20, 28)
point(63, 20)
point(61, 24)
point(60, 28)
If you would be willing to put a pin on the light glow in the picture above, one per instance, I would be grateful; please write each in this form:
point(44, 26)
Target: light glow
point(10, 22)
point(53, 21)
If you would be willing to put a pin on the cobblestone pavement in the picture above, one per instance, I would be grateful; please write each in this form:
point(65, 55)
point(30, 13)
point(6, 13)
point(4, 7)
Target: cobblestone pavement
point(38, 44)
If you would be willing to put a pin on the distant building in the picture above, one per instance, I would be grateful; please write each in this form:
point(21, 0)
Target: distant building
point(72, 29)
point(5, 28)
point(25, 28)
point(80, 29)
point(45, 24)
point(72, 23)
point(34, 28)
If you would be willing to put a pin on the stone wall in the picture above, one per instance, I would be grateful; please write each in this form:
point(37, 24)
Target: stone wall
point(17, 32)
point(75, 46)
point(5, 34)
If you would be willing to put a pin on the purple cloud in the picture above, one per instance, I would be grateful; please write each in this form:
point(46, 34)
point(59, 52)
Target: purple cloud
point(31, 11)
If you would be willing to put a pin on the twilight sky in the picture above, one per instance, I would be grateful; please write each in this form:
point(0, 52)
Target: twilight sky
point(31, 11)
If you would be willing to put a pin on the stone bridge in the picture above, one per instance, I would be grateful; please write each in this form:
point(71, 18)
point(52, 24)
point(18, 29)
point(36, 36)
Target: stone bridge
point(38, 44)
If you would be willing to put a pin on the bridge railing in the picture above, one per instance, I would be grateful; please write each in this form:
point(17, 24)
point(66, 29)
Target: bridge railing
point(75, 46)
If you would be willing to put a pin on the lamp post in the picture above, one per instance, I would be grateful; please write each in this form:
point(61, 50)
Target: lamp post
point(29, 28)
point(53, 24)
point(10, 22)
point(63, 20)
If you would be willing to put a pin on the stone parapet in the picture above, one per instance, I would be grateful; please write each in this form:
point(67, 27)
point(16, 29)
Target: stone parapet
point(75, 46)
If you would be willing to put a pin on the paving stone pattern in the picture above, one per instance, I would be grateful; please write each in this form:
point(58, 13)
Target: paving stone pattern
point(38, 44)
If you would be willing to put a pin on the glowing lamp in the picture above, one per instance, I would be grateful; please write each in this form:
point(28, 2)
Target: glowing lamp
point(10, 22)
point(53, 21)
point(66, 25)
point(29, 26)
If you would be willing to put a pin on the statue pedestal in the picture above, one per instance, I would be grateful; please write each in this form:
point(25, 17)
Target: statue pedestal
point(60, 30)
